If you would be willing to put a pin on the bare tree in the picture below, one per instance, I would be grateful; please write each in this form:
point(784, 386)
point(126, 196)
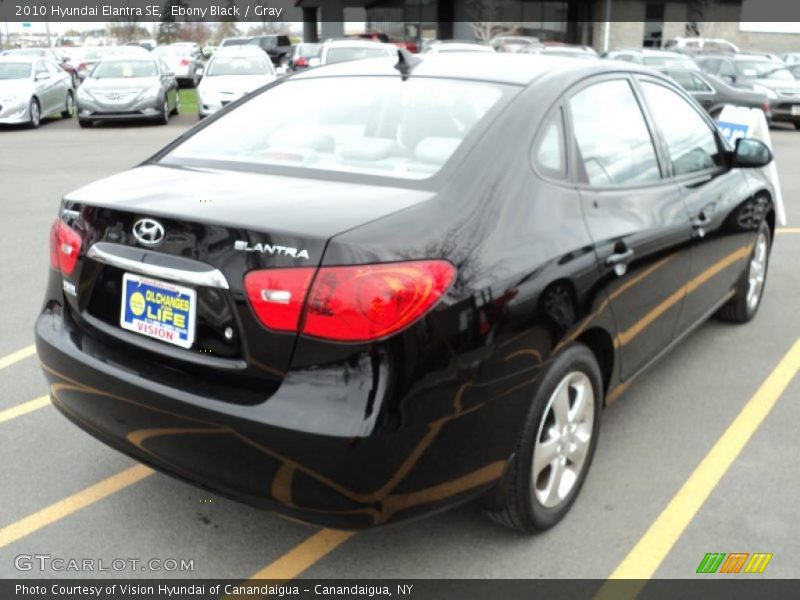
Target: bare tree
point(487, 19)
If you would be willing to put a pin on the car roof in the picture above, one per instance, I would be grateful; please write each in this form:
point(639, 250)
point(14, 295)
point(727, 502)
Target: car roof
point(515, 69)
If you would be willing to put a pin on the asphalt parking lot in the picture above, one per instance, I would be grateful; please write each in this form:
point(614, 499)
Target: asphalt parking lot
point(66, 495)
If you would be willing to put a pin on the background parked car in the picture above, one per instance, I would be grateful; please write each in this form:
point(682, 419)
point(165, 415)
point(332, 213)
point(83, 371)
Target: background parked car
point(713, 93)
point(762, 74)
point(570, 51)
point(446, 46)
point(653, 58)
point(49, 54)
point(234, 41)
point(696, 45)
point(148, 45)
point(32, 88)
point(514, 43)
point(182, 60)
point(301, 55)
point(794, 70)
point(128, 88)
point(230, 74)
point(277, 47)
point(379, 36)
point(337, 51)
point(791, 58)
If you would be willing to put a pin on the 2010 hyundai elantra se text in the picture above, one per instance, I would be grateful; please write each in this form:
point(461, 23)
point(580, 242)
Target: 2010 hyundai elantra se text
point(371, 291)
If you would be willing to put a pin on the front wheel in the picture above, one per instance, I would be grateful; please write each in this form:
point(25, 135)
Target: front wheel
point(176, 110)
point(743, 306)
point(164, 118)
point(34, 114)
point(69, 106)
point(796, 125)
point(555, 448)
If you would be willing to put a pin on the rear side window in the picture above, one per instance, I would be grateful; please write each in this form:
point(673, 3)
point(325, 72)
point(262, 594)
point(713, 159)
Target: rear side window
point(549, 154)
point(691, 143)
point(613, 142)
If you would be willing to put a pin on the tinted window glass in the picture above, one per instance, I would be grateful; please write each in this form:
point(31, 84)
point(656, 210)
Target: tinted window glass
point(548, 153)
point(690, 140)
point(612, 137)
point(371, 125)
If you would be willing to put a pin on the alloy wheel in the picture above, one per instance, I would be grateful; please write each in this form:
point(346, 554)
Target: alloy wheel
point(758, 271)
point(563, 440)
point(34, 113)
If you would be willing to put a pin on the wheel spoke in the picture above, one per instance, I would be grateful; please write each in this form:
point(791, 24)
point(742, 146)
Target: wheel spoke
point(544, 455)
point(560, 405)
point(577, 450)
point(553, 495)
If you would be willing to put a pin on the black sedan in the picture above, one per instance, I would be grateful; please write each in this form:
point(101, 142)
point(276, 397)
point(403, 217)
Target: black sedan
point(420, 285)
point(713, 94)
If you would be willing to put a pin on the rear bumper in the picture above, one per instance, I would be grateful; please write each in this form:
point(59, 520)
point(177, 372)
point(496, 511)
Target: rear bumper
point(299, 453)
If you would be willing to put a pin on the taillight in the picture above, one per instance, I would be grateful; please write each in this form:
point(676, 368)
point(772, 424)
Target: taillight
point(353, 303)
point(185, 62)
point(82, 67)
point(301, 61)
point(65, 245)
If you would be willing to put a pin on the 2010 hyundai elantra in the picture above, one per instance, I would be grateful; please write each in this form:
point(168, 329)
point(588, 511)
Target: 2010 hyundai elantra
point(370, 291)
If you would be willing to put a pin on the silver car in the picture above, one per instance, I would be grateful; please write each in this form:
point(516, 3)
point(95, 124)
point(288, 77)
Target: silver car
point(182, 60)
point(231, 73)
point(128, 88)
point(32, 88)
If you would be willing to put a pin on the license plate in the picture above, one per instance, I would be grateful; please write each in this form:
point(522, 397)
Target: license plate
point(158, 309)
point(796, 110)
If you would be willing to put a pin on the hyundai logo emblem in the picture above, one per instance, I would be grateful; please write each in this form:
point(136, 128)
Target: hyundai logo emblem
point(148, 232)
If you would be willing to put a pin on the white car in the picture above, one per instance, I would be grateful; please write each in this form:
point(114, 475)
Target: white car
point(181, 60)
point(32, 88)
point(346, 50)
point(231, 73)
point(441, 47)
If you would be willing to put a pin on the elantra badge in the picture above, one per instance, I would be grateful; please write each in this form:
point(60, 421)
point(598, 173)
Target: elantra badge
point(148, 232)
point(270, 249)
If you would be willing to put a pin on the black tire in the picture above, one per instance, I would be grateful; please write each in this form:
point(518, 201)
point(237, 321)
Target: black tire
point(163, 119)
point(740, 308)
point(176, 110)
point(35, 113)
point(796, 125)
point(84, 123)
point(514, 502)
point(69, 106)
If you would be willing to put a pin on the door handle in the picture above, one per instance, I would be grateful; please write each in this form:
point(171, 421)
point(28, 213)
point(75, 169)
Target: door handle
point(619, 257)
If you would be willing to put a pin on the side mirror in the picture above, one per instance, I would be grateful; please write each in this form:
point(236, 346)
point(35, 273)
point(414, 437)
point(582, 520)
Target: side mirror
point(314, 62)
point(751, 153)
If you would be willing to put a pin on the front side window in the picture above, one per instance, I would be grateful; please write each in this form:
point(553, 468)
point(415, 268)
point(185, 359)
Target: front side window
point(371, 125)
point(614, 144)
point(690, 140)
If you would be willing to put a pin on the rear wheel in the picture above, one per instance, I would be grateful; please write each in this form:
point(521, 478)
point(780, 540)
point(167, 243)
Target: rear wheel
point(69, 106)
point(34, 113)
point(796, 125)
point(84, 123)
point(743, 306)
point(556, 447)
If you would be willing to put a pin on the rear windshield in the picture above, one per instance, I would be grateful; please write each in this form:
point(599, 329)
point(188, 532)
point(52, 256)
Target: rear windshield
point(371, 125)
point(124, 69)
point(337, 55)
point(240, 65)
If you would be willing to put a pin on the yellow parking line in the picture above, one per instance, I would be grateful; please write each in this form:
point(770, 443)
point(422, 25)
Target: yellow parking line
point(304, 555)
point(17, 356)
point(24, 408)
point(72, 504)
point(650, 551)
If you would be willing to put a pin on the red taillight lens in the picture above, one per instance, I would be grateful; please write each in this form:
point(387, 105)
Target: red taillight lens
point(277, 295)
point(185, 62)
point(301, 61)
point(355, 303)
point(65, 245)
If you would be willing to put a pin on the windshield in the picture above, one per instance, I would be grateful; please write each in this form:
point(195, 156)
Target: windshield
point(173, 50)
point(240, 65)
point(235, 42)
point(9, 70)
point(125, 69)
point(763, 69)
point(337, 55)
point(378, 126)
point(307, 50)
